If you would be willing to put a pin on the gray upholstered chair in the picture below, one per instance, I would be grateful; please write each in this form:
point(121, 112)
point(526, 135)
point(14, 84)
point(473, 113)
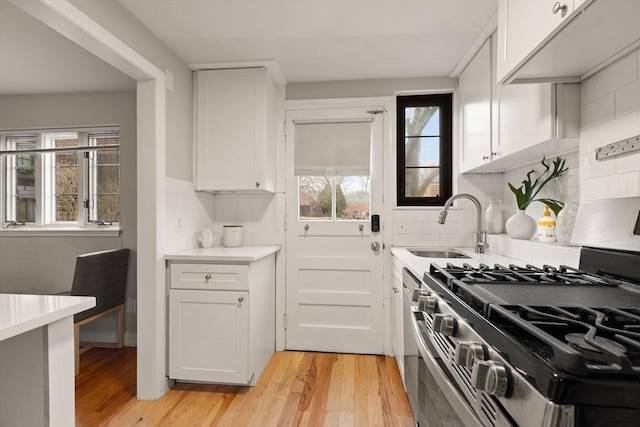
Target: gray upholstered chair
point(102, 275)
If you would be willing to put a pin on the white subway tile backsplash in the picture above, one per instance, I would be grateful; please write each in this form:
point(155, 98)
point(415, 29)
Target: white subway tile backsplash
point(629, 184)
point(423, 240)
point(627, 98)
point(628, 163)
point(598, 111)
point(617, 177)
point(415, 227)
point(590, 167)
point(457, 240)
point(614, 130)
point(611, 78)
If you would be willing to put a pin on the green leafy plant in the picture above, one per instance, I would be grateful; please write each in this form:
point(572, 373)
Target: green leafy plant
point(527, 192)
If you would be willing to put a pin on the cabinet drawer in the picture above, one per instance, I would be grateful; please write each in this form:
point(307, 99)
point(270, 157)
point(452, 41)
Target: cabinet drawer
point(210, 276)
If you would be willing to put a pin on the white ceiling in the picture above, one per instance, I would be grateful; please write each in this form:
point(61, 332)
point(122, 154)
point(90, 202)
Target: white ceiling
point(321, 40)
point(34, 59)
point(310, 40)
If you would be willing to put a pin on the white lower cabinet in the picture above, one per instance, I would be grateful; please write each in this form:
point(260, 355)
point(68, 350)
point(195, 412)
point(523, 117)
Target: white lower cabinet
point(397, 332)
point(221, 321)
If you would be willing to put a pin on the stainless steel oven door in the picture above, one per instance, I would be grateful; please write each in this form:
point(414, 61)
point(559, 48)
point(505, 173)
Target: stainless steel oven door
point(434, 399)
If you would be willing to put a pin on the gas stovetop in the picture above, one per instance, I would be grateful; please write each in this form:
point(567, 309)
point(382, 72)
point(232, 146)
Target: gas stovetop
point(574, 334)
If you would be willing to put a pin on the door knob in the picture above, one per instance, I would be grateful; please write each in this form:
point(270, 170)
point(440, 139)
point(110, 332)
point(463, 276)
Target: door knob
point(375, 246)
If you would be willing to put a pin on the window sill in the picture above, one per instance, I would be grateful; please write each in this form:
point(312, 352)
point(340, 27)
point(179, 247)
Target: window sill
point(60, 232)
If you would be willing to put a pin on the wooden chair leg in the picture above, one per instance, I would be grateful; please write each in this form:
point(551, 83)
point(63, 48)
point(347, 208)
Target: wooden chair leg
point(120, 326)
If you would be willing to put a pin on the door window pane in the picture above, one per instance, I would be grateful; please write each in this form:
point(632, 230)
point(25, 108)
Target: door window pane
point(353, 197)
point(315, 197)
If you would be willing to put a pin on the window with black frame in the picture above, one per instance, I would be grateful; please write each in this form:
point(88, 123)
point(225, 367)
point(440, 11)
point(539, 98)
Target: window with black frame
point(424, 149)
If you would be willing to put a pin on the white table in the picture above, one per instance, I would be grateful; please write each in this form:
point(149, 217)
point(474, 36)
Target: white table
point(37, 386)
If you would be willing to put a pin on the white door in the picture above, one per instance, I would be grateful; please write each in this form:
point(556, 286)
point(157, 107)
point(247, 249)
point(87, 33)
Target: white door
point(334, 260)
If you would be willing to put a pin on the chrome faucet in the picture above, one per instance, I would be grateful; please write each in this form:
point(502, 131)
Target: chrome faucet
point(480, 234)
point(10, 223)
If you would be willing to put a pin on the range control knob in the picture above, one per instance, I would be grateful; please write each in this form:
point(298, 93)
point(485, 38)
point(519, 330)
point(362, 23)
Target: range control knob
point(417, 293)
point(490, 376)
point(467, 352)
point(428, 304)
point(445, 324)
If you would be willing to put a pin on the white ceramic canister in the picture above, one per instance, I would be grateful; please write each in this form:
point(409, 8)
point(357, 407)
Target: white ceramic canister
point(231, 235)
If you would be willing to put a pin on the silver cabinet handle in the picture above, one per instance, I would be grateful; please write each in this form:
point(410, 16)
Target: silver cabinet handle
point(257, 184)
point(486, 157)
point(240, 299)
point(375, 246)
point(559, 7)
point(306, 227)
point(207, 277)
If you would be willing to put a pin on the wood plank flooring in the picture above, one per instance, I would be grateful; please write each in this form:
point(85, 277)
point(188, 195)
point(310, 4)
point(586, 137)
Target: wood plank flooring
point(296, 389)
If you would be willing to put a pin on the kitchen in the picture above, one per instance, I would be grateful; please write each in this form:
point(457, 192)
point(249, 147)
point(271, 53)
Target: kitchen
point(608, 110)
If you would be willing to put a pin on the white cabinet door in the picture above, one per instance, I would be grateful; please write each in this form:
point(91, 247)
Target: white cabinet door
point(522, 26)
point(527, 114)
point(235, 130)
point(209, 336)
point(475, 97)
point(397, 330)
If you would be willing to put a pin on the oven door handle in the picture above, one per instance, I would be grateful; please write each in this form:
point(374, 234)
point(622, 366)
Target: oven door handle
point(457, 401)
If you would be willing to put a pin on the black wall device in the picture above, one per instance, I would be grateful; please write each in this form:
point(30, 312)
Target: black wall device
point(375, 223)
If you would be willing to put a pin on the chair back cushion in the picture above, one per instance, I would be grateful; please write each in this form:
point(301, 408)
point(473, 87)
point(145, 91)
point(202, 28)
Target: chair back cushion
point(102, 275)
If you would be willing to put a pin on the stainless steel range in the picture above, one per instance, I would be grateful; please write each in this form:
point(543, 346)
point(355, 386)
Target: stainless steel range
point(542, 345)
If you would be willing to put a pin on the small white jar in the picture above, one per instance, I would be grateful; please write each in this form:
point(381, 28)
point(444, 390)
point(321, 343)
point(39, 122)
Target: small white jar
point(231, 236)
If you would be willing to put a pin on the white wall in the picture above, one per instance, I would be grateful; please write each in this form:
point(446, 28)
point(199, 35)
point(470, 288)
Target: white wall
point(179, 119)
point(46, 264)
point(610, 112)
point(367, 88)
point(194, 210)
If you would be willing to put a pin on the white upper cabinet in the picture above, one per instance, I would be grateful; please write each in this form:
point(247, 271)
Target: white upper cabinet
point(235, 130)
point(502, 127)
point(563, 41)
point(475, 98)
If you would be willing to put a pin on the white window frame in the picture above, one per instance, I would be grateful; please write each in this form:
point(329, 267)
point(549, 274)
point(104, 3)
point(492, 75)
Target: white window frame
point(45, 214)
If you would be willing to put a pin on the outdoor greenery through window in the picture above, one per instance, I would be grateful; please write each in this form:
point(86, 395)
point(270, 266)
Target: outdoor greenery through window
point(424, 126)
point(64, 178)
point(334, 197)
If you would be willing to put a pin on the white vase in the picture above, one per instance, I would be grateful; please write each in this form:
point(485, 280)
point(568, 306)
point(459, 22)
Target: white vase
point(520, 226)
point(565, 221)
point(493, 217)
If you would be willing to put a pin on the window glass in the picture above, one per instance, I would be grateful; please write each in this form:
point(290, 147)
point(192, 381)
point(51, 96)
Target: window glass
point(106, 206)
point(21, 183)
point(66, 179)
point(353, 197)
point(315, 197)
point(58, 178)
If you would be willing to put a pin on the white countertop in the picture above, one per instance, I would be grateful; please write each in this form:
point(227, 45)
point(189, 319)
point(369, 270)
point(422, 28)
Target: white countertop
point(222, 254)
point(20, 313)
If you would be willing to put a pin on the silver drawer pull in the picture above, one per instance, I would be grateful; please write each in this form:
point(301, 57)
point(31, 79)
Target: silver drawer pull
point(240, 299)
point(207, 277)
point(559, 7)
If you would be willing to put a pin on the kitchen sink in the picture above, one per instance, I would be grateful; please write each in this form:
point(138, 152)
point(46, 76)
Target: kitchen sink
point(437, 253)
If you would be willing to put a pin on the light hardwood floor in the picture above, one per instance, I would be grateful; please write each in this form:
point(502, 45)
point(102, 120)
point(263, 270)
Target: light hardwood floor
point(296, 389)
